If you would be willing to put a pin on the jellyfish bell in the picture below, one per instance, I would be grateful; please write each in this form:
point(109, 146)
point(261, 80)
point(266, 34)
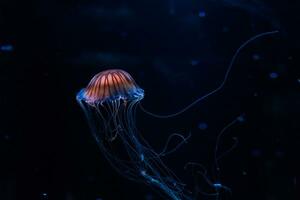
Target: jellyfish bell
point(111, 85)
point(109, 102)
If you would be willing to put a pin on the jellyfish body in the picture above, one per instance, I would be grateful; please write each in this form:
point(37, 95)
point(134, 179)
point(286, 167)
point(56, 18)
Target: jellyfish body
point(111, 85)
point(109, 103)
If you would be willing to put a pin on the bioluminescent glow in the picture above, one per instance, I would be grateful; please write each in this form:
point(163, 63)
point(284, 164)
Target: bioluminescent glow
point(109, 103)
point(6, 47)
point(273, 75)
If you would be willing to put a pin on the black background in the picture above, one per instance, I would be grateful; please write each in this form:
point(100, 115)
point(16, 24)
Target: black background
point(175, 55)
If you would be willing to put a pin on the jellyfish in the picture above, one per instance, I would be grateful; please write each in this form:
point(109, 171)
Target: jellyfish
point(109, 103)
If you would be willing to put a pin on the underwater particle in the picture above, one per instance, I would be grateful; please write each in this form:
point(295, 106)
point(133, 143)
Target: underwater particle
point(256, 57)
point(98, 198)
point(244, 173)
point(217, 185)
point(44, 195)
point(6, 48)
point(202, 126)
point(7, 137)
point(194, 62)
point(202, 13)
point(256, 153)
point(273, 75)
point(279, 153)
point(143, 173)
point(298, 80)
point(241, 118)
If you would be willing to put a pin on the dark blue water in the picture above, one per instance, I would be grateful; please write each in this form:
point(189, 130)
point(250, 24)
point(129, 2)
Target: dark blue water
point(177, 51)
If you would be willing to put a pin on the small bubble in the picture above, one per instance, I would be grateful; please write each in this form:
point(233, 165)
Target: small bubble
point(143, 172)
point(241, 118)
point(202, 126)
point(142, 157)
point(256, 57)
point(7, 47)
point(202, 13)
point(194, 62)
point(273, 75)
point(44, 195)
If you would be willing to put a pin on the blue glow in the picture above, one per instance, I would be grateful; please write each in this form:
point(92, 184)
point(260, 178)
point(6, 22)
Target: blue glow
point(7, 48)
point(194, 62)
point(218, 185)
point(136, 94)
point(202, 126)
point(143, 173)
point(202, 13)
point(111, 121)
point(273, 75)
point(80, 95)
point(241, 118)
